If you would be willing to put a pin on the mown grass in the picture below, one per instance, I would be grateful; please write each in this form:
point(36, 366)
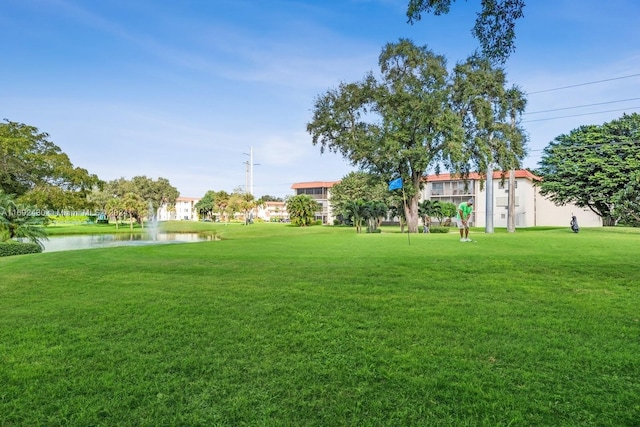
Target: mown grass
point(277, 325)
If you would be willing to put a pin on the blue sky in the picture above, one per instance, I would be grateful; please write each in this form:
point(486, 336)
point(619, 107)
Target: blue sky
point(185, 89)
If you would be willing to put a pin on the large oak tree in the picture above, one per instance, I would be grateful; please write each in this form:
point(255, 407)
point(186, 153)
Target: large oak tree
point(151, 193)
point(491, 115)
point(37, 172)
point(357, 185)
point(398, 125)
point(594, 166)
point(494, 27)
point(416, 117)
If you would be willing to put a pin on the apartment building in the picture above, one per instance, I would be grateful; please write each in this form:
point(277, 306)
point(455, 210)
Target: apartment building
point(184, 210)
point(531, 208)
point(272, 212)
point(320, 191)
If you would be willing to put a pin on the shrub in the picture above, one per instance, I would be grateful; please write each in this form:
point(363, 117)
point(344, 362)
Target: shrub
point(68, 219)
point(12, 247)
point(439, 229)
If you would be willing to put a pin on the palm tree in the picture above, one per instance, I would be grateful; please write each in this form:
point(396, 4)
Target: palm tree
point(302, 209)
point(428, 209)
point(376, 211)
point(357, 212)
point(113, 208)
point(396, 209)
point(133, 205)
point(19, 221)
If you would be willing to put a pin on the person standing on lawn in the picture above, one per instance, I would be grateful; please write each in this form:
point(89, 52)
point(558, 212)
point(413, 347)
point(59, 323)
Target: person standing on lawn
point(465, 209)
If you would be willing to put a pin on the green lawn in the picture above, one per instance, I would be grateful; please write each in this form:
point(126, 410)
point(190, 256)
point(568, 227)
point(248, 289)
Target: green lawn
point(281, 326)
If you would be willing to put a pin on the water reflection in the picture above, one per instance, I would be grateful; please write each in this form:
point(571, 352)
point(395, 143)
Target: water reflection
point(69, 243)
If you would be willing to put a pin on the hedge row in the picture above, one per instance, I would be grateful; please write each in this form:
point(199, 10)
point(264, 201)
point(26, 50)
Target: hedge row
point(18, 248)
point(439, 229)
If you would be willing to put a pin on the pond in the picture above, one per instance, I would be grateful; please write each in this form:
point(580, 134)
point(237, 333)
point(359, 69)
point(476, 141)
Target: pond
point(68, 243)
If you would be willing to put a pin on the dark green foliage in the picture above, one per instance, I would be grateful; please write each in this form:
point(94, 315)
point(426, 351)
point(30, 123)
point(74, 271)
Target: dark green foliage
point(439, 229)
point(358, 212)
point(354, 186)
point(428, 209)
point(395, 126)
point(594, 166)
point(494, 27)
point(417, 116)
point(150, 193)
point(627, 202)
point(38, 172)
point(302, 209)
point(11, 247)
point(490, 113)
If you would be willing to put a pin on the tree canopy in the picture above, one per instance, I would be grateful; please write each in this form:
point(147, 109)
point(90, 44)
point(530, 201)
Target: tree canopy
point(414, 118)
point(358, 185)
point(140, 196)
point(490, 113)
point(398, 125)
point(494, 27)
point(594, 166)
point(37, 172)
point(627, 202)
point(302, 209)
point(206, 206)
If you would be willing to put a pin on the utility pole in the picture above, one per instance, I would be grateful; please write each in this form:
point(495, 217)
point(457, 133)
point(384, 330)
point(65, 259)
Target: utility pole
point(250, 166)
point(246, 177)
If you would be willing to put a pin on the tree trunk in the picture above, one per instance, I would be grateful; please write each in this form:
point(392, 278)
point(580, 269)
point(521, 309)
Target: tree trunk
point(608, 221)
point(511, 226)
point(411, 212)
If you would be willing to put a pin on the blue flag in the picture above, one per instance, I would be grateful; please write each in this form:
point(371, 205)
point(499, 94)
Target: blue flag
point(394, 184)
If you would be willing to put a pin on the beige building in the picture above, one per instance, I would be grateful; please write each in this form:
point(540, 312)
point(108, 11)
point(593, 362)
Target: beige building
point(272, 211)
point(320, 191)
point(531, 208)
point(184, 210)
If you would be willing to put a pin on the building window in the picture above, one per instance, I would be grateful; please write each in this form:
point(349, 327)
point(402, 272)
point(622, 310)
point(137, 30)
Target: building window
point(503, 202)
point(437, 188)
point(311, 191)
point(461, 187)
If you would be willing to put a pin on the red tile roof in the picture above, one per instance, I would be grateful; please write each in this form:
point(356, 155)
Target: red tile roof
point(314, 184)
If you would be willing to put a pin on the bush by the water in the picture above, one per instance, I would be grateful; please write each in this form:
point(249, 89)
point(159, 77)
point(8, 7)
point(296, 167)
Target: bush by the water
point(18, 248)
